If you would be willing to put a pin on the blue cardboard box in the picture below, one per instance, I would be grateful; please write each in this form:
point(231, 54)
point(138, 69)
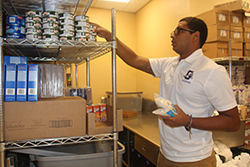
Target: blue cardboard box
point(10, 82)
point(21, 94)
point(11, 60)
point(34, 86)
point(14, 60)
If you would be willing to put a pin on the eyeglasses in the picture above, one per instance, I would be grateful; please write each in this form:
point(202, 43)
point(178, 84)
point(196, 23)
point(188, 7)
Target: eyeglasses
point(178, 30)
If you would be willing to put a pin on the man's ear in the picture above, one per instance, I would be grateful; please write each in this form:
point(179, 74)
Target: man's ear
point(196, 36)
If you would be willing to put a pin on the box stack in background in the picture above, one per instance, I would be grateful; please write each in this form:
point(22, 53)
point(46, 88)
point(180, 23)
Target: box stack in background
point(226, 23)
point(246, 25)
point(223, 25)
point(218, 32)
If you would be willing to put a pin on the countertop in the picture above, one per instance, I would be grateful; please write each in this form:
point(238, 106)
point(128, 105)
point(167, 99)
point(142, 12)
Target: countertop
point(145, 124)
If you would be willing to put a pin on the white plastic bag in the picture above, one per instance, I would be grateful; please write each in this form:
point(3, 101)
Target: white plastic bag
point(166, 108)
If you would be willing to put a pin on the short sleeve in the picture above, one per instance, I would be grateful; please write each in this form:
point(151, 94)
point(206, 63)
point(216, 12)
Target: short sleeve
point(218, 90)
point(159, 65)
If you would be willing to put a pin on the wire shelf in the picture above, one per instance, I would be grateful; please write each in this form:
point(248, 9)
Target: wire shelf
point(61, 52)
point(235, 60)
point(57, 141)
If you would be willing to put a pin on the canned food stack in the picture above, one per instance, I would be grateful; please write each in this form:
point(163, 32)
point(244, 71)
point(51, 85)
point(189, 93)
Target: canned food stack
point(15, 27)
point(50, 25)
point(66, 27)
point(33, 25)
point(81, 28)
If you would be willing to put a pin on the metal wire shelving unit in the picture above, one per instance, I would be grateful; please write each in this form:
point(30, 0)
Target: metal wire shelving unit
point(58, 52)
point(234, 59)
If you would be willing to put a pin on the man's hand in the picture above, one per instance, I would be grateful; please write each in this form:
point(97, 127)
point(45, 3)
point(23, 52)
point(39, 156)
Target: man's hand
point(181, 119)
point(102, 32)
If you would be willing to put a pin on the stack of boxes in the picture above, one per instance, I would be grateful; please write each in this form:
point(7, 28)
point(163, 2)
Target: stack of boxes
point(229, 30)
point(246, 24)
point(21, 81)
point(222, 26)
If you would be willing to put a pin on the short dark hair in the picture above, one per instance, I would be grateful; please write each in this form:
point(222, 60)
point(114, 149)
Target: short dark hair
point(197, 25)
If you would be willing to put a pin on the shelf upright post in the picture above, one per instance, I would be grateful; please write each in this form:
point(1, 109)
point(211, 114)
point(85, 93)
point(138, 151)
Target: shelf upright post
point(2, 145)
point(71, 75)
point(230, 58)
point(87, 71)
point(76, 66)
point(114, 87)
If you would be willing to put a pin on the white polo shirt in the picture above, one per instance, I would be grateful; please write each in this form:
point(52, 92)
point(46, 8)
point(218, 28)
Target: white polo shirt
point(197, 85)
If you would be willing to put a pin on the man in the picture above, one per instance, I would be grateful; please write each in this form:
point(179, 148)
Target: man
point(197, 86)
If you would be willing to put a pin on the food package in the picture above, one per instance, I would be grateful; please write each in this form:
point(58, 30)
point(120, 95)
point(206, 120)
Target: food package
point(52, 78)
point(166, 108)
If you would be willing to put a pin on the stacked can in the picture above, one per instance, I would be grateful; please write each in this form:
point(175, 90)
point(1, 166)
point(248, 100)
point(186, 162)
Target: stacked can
point(33, 25)
point(81, 28)
point(66, 27)
point(15, 27)
point(50, 25)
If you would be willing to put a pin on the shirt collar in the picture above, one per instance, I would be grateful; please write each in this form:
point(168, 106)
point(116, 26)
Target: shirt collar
point(193, 57)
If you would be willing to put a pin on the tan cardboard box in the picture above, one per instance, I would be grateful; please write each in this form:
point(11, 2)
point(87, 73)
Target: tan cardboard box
point(215, 49)
point(246, 35)
point(237, 49)
point(236, 19)
point(238, 5)
point(215, 16)
point(236, 34)
point(246, 21)
point(221, 49)
point(104, 127)
point(218, 33)
point(47, 118)
point(247, 50)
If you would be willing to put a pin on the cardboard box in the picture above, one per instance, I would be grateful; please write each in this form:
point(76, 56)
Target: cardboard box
point(21, 94)
point(218, 33)
point(246, 20)
point(237, 49)
point(221, 49)
point(246, 34)
point(104, 127)
point(10, 82)
point(34, 86)
point(236, 34)
point(236, 19)
point(215, 16)
point(246, 50)
point(47, 118)
point(215, 49)
point(14, 60)
point(238, 5)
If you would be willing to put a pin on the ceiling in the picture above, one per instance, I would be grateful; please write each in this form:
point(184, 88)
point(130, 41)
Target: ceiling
point(133, 6)
point(77, 7)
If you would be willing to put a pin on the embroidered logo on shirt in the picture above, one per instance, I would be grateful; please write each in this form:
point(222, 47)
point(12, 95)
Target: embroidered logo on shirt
point(188, 76)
